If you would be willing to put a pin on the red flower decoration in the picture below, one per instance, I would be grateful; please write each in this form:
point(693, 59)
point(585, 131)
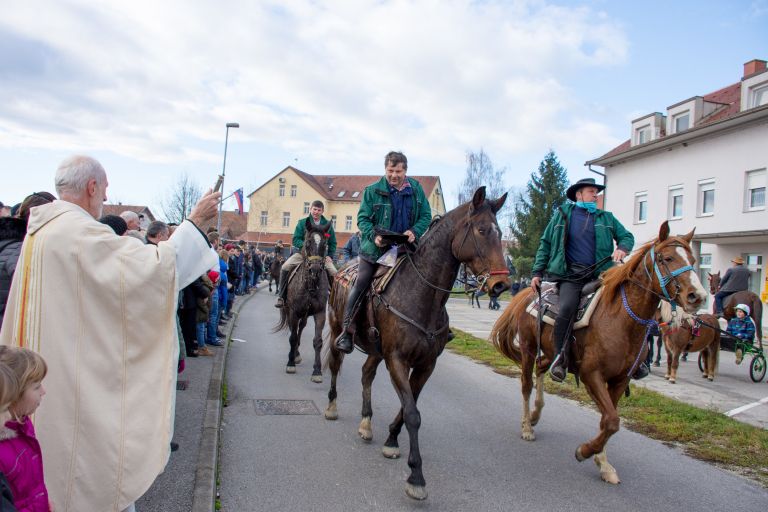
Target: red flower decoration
point(327, 235)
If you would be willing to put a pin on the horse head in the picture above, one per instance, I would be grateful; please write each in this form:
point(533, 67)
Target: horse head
point(669, 261)
point(477, 242)
point(714, 281)
point(315, 247)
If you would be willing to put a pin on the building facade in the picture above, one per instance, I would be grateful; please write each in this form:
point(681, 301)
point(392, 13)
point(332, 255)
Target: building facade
point(701, 165)
point(277, 205)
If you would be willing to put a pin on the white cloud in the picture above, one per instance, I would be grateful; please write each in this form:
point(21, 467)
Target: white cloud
point(333, 81)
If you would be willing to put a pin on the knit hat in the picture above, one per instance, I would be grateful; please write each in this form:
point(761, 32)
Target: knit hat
point(229, 247)
point(743, 307)
point(213, 275)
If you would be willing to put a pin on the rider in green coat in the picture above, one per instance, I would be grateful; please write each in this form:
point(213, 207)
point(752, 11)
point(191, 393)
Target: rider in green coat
point(396, 203)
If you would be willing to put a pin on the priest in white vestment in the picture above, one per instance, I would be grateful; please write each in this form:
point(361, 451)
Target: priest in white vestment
point(101, 309)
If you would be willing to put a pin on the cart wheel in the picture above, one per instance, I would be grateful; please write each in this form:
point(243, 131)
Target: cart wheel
point(757, 368)
point(701, 362)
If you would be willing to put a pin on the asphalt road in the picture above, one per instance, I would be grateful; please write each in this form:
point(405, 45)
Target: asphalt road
point(732, 391)
point(473, 456)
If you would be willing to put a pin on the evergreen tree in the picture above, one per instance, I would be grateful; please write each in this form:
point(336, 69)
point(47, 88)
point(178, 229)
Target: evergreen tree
point(545, 192)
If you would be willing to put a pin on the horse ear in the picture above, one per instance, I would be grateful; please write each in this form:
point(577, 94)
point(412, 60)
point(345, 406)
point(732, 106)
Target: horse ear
point(497, 204)
point(307, 224)
point(479, 198)
point(664, 231)
point(689, 236)
point(326, 227)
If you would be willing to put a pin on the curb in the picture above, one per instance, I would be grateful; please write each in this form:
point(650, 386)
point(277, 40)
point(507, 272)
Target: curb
point(204, 492)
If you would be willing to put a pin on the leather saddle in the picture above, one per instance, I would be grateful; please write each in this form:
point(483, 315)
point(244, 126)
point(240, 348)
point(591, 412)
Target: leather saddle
point(550, 303)
point(383, 276)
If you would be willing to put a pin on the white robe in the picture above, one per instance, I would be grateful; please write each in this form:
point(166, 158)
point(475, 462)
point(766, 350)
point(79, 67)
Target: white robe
point(101, 310)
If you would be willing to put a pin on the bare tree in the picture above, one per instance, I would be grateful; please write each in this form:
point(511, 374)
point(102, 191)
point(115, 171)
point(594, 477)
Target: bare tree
point(481, 172)
point(180, 198)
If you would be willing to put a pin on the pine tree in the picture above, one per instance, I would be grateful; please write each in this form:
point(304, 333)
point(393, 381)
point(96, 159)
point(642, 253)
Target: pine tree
point(545, 192)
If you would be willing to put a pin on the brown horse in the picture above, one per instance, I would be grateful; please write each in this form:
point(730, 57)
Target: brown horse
point(412, 321)
point(744, 297)
point(690, 336)
point(274, 271)
point(607, 351)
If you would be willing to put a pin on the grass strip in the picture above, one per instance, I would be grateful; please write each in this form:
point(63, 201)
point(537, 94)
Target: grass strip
point(704, 434)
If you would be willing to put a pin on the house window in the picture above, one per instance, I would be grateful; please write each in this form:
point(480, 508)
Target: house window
point(264, 218)
point(755, 193)
point(706, 198)
point(641, 207)
point(333, 221)
point(341, 194)
point(675, 203)
point(355, 193)
point(682, 122)
point(306, 208)
point(759, 96)
point(286, 219)
point(643, 134)
point(281, 192)
point(754, 263)
point(705, 267)
point(293, 190)
point(348, 223)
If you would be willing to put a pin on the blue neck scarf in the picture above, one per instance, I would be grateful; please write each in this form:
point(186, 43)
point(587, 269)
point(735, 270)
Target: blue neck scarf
point(590, 207)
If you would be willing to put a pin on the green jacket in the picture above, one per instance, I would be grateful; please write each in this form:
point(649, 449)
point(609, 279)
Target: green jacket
point(551, 254)
point(300, 231)
point(376, 210)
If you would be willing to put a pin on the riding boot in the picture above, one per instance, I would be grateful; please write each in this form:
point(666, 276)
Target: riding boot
point(282, 288)
point(641, 372)
point(558, 369)
point(344, 342)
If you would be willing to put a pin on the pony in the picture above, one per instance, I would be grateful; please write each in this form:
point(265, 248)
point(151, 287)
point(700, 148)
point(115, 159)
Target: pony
point(274, 272)
point(696, 333)
point(407, 325)
point(307, 295)
point(607, 351)
point(751, 299)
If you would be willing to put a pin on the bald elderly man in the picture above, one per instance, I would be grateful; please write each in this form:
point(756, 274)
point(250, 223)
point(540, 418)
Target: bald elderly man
point(132, 219)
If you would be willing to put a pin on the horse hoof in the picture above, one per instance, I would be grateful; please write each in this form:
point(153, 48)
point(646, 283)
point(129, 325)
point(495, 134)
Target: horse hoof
point(364, 430)
point(417, 492)
point(656, 365)
point(610, 477)
point(666, 376)
point(331, 414)
point(390, 452)
point(297, 359)
point(672, 381)
point(528, 435)
point(579, 456)
point(290, 369)
point(711, 379)
point(316, 378)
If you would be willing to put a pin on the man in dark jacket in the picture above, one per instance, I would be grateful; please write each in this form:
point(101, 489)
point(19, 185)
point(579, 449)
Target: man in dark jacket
point(736, 279)
point(396, 203)
point(352, 248)
point(576, 246)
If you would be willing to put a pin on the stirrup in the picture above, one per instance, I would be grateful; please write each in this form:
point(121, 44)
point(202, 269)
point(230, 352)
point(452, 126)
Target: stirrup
point(557, 370)
point(344, 342)
point(641, 372)
point(280, 303)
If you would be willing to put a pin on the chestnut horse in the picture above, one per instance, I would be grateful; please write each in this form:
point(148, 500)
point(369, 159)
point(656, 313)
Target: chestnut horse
point(744, 297)
point(412, 321)
point(607, 351)
point(690, 336)
point(307, 295)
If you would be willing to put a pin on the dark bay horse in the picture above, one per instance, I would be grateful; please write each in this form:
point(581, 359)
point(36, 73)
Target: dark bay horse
point(745, 297)
point(274, 271)
point(307, 295)
point(690, 337)
point(609, 348)
point(411, 318)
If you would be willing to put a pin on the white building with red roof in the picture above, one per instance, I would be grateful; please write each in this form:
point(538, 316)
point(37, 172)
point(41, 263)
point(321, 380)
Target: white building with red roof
point(700, 164)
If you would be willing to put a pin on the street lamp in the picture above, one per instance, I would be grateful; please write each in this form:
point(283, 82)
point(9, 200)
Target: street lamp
point(223, 171)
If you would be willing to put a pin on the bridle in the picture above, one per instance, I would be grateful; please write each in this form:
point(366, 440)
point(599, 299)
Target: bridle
point(669, 277)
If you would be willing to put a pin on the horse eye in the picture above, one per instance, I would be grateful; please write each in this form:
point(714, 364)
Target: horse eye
point(668, 259)
point(481, 231)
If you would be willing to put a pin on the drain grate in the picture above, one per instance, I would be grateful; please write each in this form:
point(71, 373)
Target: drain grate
point(181, 385)
point(284, 407)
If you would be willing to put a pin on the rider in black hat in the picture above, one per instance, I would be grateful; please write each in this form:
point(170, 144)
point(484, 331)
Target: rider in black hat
point(576, 246)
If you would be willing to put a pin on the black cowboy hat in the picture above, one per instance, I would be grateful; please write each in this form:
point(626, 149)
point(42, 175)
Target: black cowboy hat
point(584, 182)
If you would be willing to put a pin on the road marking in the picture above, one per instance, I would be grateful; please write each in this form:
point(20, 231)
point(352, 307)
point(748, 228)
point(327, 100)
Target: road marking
point(739, 410)
point(238, 339)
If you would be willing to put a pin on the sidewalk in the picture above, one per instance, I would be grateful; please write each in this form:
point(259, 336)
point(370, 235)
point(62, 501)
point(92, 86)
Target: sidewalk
point(189, 480)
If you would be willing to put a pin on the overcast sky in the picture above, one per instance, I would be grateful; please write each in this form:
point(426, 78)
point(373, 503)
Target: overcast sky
point(330, 87)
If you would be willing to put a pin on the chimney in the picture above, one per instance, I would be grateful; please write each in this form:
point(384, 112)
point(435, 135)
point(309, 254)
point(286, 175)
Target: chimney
point(753, 67)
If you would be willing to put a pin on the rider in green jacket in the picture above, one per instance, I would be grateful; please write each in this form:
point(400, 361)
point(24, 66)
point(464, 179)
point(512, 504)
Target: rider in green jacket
point(576, 246)
point(396, 203)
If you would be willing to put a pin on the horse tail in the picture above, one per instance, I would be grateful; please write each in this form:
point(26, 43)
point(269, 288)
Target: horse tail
point(505, 329)
point(757, 317)
point(283, 322)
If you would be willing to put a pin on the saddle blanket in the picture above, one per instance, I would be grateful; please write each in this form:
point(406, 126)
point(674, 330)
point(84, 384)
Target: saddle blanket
point(347, 275)
point(550, 304)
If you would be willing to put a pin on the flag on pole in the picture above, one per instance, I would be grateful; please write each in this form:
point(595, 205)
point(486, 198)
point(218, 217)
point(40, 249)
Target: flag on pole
point(239, 199)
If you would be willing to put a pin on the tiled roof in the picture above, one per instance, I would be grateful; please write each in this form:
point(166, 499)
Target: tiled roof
point(351, 183)
point(266, 240)
point(117, 209)
point(232, 224)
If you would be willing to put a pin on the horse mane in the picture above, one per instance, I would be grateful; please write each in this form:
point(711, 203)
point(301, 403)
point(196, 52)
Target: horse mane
point(617, 275)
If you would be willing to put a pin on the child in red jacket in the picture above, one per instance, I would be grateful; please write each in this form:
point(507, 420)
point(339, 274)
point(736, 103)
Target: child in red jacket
point(21, 460)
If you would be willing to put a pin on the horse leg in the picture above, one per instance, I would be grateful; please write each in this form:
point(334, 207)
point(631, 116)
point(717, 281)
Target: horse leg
point(675, 365)
point(657, 363)
point(526, 384)
point(294, 328)
point(538, 403)
point(302, 324)
point(334, 364)
point(667, 344)
point(369, 373)
point(609, 423)
point(408, 390)
point(317, 344)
